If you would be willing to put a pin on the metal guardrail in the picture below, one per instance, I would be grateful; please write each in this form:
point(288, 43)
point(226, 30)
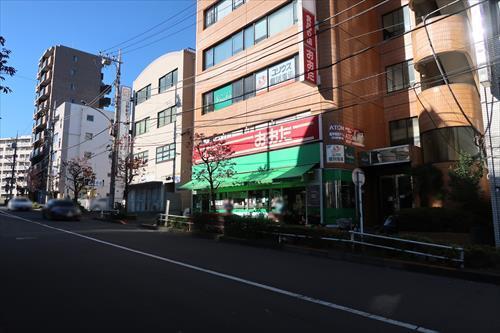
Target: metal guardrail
point(363, 241)
point(169, 221)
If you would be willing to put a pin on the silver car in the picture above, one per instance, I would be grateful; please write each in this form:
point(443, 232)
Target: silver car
point(19, 203)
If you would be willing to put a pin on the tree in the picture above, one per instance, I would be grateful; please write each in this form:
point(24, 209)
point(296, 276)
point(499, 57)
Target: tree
point(464, 180)
point(79, 176)
point(215, 163)
point(129, 168)
point(428, 183)
point(4, 69)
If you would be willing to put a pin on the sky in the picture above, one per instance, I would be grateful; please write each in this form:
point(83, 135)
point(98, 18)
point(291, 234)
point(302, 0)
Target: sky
point(30, 27)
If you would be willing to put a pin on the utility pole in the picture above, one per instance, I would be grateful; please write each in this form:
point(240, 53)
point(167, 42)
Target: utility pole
point(50, 132)
point(115, 130)
point(12, 182)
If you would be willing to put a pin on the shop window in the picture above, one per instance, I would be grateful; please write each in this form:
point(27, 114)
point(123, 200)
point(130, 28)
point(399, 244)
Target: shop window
point(166, 116)
point(400, 76)
point(339, 194)
point(396, 22)
point(258, 200)
point(404, 131)
point(446, 144)
point(238, 199)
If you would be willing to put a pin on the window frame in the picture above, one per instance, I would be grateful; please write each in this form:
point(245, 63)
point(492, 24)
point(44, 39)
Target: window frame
point(90, 117)
point(139, 122)
point(170, 149)
point(406, 26)
point(410, 122)
point(172, 82)
point(143, 155)
point(171, 116)
point(213, 13)
point(140, 91)
point(406, 77)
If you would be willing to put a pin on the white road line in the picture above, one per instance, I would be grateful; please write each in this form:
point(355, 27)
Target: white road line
point(244, 281)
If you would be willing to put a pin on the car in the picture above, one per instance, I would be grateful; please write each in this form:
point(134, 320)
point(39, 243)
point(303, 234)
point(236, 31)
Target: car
point(19, 203)
point(99, 204)
point(61, 209)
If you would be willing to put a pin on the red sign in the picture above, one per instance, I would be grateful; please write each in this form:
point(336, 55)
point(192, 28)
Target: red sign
point(309, 37)
point(288, 134)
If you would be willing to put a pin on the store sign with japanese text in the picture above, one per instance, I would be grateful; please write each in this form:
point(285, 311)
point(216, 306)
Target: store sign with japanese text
point(292, 133)
point(281, 73)
point(349, 136)
point(309, 37)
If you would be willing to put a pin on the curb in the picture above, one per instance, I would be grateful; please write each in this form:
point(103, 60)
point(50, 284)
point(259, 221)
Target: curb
point(463, 274)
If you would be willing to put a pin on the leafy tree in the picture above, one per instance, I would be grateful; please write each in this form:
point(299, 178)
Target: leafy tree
point(4, 69)
point(129, 168)
point(216, 165)
point(79, 175)
point(464, 180)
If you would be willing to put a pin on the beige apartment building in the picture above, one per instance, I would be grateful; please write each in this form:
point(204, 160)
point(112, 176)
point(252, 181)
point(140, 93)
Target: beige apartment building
point(304, 91)
point(163, 121)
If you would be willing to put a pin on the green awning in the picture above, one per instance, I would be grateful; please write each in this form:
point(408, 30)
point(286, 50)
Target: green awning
point(261, 176)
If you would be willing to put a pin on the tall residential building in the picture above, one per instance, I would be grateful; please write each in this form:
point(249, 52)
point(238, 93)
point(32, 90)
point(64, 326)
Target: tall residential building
point(163, 121)
point(64, 75)
point(304, 91)
point(20, 169)
point(82, 132)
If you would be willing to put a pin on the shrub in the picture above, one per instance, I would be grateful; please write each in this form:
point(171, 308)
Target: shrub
point(246, 226)
point(426, 219)
point(208, 222)
point(482, 257)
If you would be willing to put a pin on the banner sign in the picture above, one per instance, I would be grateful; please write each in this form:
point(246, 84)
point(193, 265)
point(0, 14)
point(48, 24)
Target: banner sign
point(347, 135)
point(335, 154)
point(309, 38)
point(389, 155)
point(292, 133)
point(282, 72)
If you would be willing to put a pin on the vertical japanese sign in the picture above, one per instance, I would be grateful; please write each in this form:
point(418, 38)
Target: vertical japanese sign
point(309, 37)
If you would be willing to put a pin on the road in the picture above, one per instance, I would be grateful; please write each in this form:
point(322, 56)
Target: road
point(91, 276)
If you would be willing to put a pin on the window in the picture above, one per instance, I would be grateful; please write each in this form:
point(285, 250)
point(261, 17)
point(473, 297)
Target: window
point(250, 35)
point(238, 42)
point(445, 144)
point(143, 94)
point(165, 153)
point(281, 19)
point(166, 116)
point(400, 76)
point(261, 30)
point(208, 102)
point(72, 86)
point(87, 154)
point(142, 126)
point(404, 131)
point(220, 10)
point(88, 136)
point(75, 58)
point(250, 85)
point(339, 194)
point(90, 117)
point(72, 72)
point(396, 22)
point(167, 81)
point(143, 156)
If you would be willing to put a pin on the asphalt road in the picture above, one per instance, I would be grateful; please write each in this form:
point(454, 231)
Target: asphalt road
point(90, 276)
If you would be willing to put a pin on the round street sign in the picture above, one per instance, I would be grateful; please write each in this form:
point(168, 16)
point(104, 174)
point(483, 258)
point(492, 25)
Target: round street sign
point(358, 177)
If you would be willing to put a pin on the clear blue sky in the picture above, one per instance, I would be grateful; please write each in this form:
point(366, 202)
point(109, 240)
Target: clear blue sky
point(30, 27)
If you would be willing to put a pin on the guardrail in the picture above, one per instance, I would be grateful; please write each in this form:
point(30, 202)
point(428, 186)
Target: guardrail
point(363, 239)
point(172, 221)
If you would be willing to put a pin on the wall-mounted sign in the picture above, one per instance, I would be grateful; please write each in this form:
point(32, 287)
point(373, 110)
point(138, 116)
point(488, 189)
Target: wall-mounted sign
point(309, 37)
point(389, 155)
point(292, 133)
point(281, 72)
point(261, 82)
point(347, 135)
point(335, 154)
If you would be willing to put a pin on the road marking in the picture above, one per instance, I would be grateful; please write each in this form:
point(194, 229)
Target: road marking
point(25, 238)
point(244, 281)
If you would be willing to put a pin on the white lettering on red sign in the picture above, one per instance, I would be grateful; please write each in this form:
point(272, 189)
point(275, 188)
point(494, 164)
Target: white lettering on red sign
point(309, 37)
point(274, 137)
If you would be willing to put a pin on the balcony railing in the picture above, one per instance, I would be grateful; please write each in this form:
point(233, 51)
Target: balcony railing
point(442, 110)
point(447, 35)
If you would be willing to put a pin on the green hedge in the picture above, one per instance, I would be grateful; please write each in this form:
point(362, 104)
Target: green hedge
point(436, 220)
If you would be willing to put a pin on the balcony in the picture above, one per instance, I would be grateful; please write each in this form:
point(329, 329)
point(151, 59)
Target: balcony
point(44, 79)
point(45, 65)
point(43, 94)
point(448, 35)
point(40, 124)
point(444, 112)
